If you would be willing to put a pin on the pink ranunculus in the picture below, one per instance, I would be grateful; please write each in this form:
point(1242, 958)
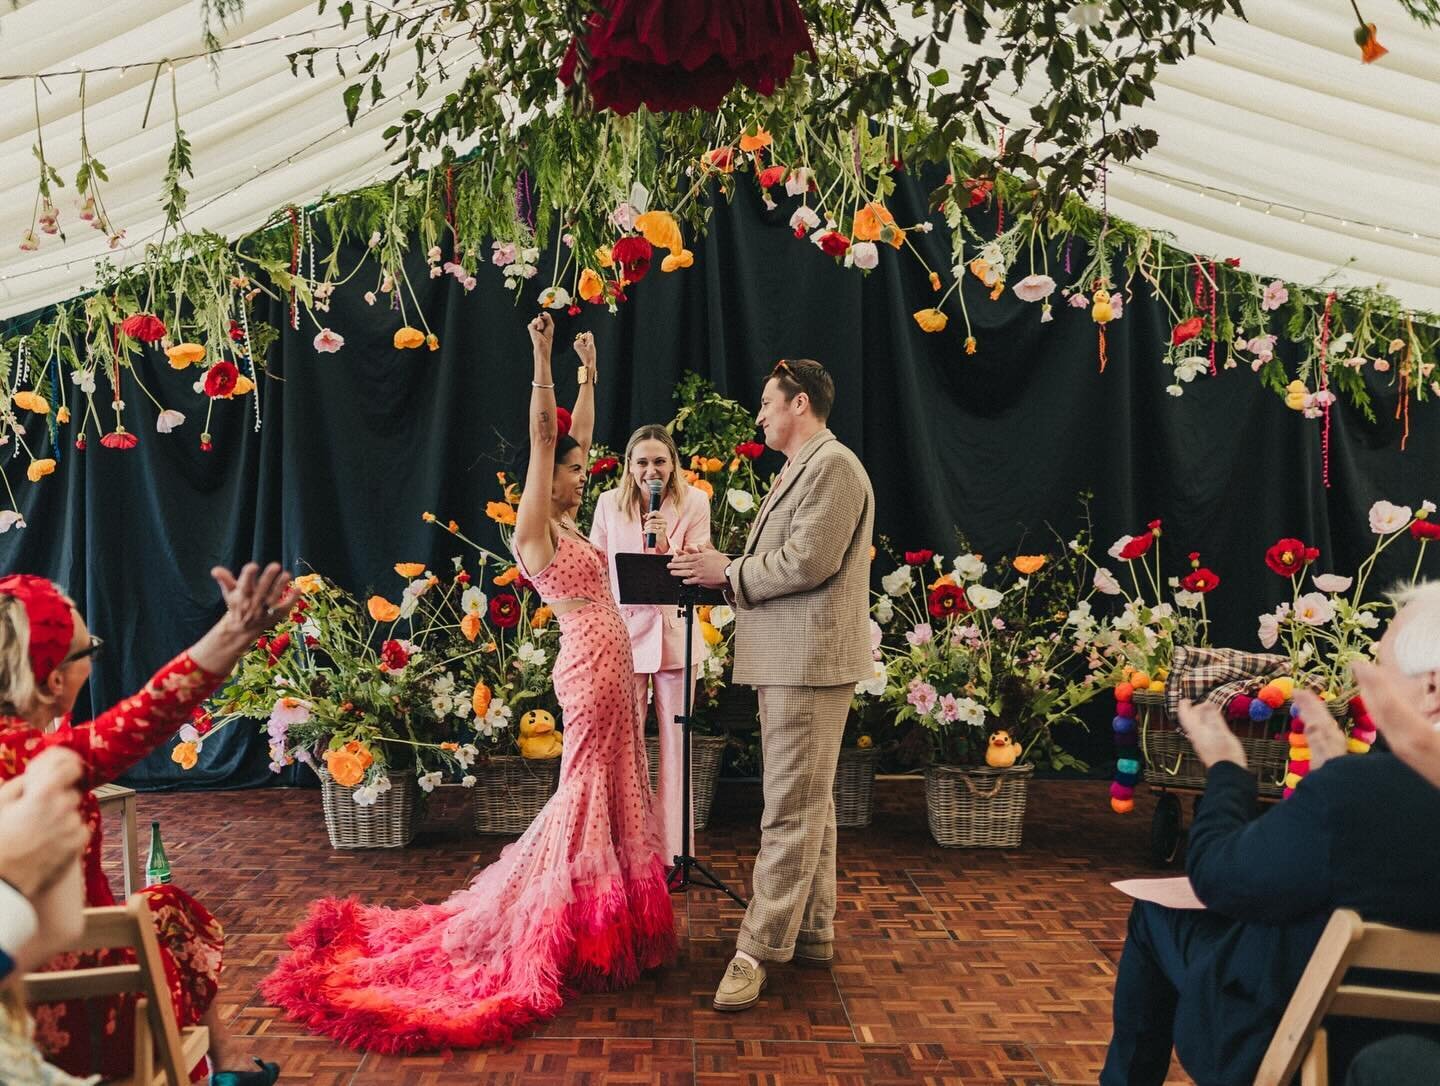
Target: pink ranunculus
point(922, 696)
point(328, 342)
point(1034, 288)
point(949, 709)
point(1274, 295)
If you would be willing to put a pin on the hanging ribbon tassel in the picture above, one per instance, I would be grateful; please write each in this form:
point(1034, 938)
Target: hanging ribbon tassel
point(999, 197)
point(1324, 386)
point(1402, 405)
point(1214, 327)
point(55, 425)
point(1103, 357)
point(294, 266)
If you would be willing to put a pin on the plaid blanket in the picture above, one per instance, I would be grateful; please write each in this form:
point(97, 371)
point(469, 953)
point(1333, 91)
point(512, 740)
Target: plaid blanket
point(1217, 675)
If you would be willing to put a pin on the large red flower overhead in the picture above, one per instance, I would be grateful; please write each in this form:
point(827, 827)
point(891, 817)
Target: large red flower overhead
point(673, 55)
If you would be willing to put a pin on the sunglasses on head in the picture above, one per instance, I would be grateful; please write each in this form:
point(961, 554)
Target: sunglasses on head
point(92, 650)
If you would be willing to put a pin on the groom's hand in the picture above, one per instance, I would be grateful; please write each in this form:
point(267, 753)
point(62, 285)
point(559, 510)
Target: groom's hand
point(702, 566)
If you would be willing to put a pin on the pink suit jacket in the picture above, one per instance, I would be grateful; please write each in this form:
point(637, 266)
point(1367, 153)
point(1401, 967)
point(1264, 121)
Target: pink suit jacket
point(657, 634)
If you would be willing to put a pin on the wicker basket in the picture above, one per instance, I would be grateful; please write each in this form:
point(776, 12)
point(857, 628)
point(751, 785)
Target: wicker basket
point(1171, 761)
point(977, 806)
point(855, 787)
point(510, 790)
point(706, 752)
point(387, 823)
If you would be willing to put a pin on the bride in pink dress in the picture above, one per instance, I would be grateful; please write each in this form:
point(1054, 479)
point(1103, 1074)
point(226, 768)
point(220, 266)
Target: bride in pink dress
point(579, 902)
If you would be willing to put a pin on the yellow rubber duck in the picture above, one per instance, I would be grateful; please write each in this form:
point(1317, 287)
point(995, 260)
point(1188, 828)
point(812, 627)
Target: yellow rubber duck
point(538, 737)
point(1001, 751)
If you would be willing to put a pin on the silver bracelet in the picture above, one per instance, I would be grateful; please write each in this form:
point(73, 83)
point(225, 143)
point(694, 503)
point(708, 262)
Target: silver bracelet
point(537, 384)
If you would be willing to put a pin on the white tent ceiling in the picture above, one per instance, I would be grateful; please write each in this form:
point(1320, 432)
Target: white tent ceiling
point(1336, 165)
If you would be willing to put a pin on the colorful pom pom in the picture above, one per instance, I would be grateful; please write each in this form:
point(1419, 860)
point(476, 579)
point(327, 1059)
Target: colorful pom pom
point(1239, 707)
point(1122, 806)
point(1260, 711)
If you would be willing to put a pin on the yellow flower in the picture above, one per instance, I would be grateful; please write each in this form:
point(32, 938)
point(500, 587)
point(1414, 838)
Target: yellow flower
point(714, 464)
point(409, 570)
point(183, 355)
point(31, 401)
point(703, 485)
point(703, 612)
point(675, 261)
point(760, 139)
point(470, 627)
point(243, 385)
point(1029, 563)
point(591, 285)
point(870, 220)
point(934, 280)
point(710, 633)
point(660, 229)
point(510, 576)
point(605, 258)
point(432, 341)
point(541, 618)
point(931, 320)
point(185, 755)
point(428, 518)
point(63, 415)
point(382, 610)
point(500, 512)
point(969, 344)
point(947, 579)
point(310, 582)
point(407, 338)
point(38, 469)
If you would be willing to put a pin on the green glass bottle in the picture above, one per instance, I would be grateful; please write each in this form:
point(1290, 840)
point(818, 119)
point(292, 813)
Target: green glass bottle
point(157, 867)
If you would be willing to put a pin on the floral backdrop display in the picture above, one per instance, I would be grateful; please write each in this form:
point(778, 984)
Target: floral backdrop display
point(574, 191)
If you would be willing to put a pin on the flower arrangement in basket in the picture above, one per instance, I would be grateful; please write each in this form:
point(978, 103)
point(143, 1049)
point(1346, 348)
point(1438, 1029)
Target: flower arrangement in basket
point(977, 650)
point(1132, 651)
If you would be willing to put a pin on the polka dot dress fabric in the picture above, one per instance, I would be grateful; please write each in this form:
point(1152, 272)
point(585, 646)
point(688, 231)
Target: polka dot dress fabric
point(578, 902)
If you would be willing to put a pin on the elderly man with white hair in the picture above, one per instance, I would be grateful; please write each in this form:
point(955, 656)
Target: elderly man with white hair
point(1358, 833)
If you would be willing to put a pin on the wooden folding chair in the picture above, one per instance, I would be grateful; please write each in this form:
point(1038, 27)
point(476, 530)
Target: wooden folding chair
point(164, 1054)
point(1300, 1043)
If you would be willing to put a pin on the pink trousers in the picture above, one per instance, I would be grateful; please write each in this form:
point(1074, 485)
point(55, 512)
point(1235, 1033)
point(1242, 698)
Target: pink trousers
point(669, 693)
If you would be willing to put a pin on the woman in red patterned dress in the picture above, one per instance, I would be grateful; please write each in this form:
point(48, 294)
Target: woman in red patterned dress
point(45, 654)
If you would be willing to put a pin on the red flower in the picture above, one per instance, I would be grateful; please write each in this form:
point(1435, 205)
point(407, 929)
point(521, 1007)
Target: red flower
point(120, 439)
point(633, 255)
point(221, 380)
point(505, 611)
point(201, 720)
point(1424, 529)
point(918, 558)
point(1187, 330)
point(462, 577)
point(237, 333)
point(979, 189)
point(721, 158)
point(750, 450)
point(947, 600)
point(604, 466)
point(393, 656)
point(276, 648)
point(771, 176)
point(1232, 261)
point(1137, 546)
point(1289, 556)
point(1195, 558)
point(834, 243)
point(1200, 580)
point(1154, 527)
point(562, 421)
point(146, 327)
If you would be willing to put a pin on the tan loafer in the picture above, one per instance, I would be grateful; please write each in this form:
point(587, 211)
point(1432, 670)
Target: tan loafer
point(817, 954)
point(740, 987)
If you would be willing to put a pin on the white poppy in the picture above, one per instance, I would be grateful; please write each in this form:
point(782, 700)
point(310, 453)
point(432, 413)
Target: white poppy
point(742, 501)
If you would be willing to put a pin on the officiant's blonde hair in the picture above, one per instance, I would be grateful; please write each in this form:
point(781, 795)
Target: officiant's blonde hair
point(633, 500)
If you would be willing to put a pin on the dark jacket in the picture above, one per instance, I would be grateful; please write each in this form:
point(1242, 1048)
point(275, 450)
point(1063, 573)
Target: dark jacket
point(1362, 832)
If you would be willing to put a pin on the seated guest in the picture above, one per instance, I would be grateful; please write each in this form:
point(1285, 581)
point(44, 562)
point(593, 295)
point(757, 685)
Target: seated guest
point(1215, 981)
point(42, 898)
point(45, 655)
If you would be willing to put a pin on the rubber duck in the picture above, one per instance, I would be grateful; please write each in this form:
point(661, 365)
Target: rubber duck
point(1001, 751)
point(538, 737)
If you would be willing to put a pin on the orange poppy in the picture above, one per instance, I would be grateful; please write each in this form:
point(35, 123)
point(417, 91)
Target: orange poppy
point(1029, 563)
point(500, 512)
point(470, 627)
point(344, 767)
point(409, 570)
point(382, 610)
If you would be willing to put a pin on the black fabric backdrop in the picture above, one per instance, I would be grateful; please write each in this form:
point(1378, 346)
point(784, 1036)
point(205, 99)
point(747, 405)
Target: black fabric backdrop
point(356, 445)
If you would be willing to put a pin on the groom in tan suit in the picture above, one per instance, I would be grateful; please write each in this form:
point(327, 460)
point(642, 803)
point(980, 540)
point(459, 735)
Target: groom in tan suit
point(802, 595)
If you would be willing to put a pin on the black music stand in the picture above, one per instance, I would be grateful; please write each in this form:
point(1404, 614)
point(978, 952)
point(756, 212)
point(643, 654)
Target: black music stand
point(645, 579)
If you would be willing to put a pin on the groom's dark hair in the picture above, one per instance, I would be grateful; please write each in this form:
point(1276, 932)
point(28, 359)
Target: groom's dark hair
point(797, 375)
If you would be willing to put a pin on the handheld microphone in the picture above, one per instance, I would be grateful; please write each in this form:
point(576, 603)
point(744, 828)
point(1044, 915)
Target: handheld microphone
point(655, 486)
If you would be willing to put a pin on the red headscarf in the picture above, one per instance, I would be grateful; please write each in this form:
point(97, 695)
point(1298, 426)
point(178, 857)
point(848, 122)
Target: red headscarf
point(52, 622)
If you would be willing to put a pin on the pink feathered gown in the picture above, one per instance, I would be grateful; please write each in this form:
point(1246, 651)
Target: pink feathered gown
point(578, 903)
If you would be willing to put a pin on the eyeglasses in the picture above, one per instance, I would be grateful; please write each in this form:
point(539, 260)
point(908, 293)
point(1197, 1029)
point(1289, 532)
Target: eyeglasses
point(92, 650)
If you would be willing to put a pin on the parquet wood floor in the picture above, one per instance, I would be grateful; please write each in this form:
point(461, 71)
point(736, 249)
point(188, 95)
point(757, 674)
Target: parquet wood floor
point(953, 966)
